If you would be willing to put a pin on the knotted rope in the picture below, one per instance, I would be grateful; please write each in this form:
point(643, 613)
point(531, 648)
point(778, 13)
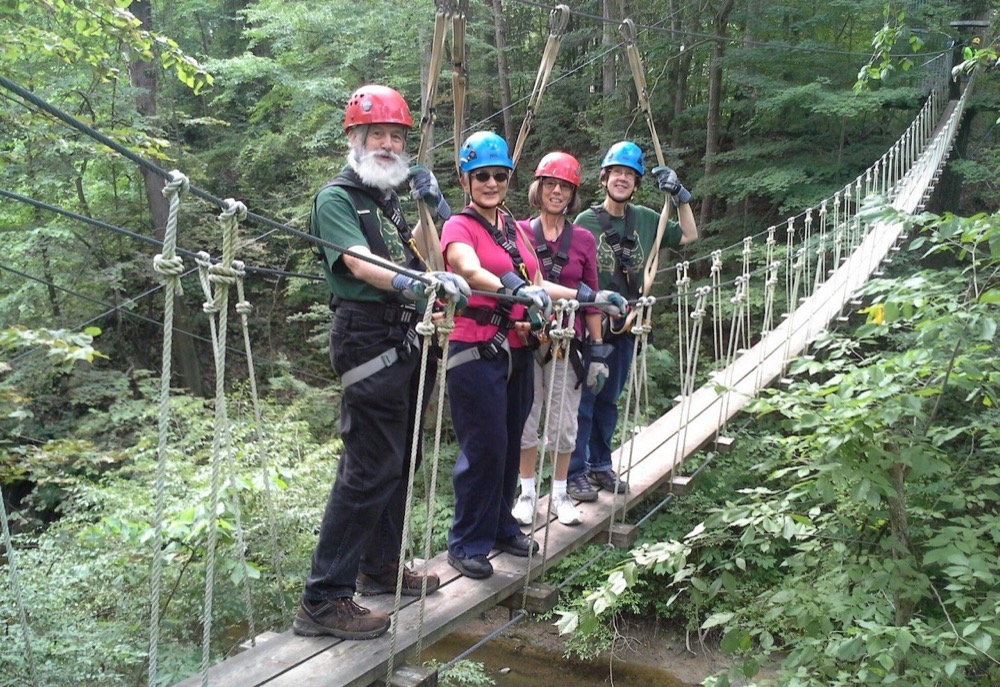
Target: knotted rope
point(169, 266)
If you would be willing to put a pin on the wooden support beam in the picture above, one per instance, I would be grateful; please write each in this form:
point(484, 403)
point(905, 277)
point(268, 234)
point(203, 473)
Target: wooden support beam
point(678, 485)
point(540, 598)
point(624, 536)
point(724, 444)
point(408, 675)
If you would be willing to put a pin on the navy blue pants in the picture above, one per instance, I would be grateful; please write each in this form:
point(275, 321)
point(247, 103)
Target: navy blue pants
point(488, 412)
point(598, 415)
point(363, 522)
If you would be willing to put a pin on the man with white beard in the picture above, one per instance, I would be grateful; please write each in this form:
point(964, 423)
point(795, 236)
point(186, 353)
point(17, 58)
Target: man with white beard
point(375, 351)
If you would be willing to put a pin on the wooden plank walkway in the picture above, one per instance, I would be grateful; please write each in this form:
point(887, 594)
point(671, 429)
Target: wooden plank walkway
point(291, 661)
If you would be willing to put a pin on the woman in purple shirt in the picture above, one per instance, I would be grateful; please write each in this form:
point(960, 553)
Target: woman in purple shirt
point(567, 255)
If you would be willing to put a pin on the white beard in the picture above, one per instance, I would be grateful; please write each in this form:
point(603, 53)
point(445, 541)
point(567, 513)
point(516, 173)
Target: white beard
point(379, 173)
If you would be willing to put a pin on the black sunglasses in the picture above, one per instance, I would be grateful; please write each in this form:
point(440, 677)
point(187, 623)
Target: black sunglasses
point(483, 177)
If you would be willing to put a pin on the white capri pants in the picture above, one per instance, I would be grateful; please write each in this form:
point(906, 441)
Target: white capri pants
point(561, 436)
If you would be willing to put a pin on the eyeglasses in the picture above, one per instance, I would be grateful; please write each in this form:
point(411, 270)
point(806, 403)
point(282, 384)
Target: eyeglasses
point(483, 177)
point(551, 183)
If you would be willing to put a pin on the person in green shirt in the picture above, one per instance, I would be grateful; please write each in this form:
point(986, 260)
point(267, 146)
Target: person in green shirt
point(625, 235)
point(375, 279)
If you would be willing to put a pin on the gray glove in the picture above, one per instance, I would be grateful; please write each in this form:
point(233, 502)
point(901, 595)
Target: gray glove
point(456, 289)
point(597, 370)
point(424, 186)
point(667, 181)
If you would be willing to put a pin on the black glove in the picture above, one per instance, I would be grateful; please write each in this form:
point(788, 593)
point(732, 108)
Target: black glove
point(610, 302)
point(667, 181)
point(424, 186)
point(597, 370)
point(515, 286)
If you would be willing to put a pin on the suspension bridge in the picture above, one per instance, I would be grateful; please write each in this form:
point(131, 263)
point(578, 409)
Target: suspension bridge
point(830, 251)
point(820, 258)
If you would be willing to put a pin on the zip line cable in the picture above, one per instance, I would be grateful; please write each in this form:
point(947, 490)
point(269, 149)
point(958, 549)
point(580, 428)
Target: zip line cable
point(131, 313)
point(142, 237)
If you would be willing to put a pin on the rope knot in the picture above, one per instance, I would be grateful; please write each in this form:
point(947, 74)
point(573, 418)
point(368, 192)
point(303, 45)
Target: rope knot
point(234, 208)
point(221, 274)
point(244, 307)
point(168, 267)
point(178, 182)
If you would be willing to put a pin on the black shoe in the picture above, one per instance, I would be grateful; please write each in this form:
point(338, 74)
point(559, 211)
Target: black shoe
point(518, 545)
point(605, 479)
point(579, 488)
point(476, 567)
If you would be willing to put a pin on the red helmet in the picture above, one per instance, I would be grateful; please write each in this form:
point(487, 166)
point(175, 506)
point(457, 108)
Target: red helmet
point(562, 166)
point(376, 105)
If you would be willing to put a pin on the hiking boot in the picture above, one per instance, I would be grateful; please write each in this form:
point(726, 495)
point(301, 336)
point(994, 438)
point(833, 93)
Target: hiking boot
point(565, 511)
point(340, 618)
point(476, 567)
point(605, 479)
point(518, 545)
point(524, 510)
point(369, 585)
point(579, 488)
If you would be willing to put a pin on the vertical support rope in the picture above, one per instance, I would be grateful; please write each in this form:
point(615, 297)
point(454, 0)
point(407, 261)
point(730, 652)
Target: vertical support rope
point(747, 277)
point(690, 374)
point(15, 587)
point(216, 306)
point(170, 267)
point(244, 308)
point(425, 328)
point(640, 331)
point(716, 274)
point(821, 249)
point(444, 328)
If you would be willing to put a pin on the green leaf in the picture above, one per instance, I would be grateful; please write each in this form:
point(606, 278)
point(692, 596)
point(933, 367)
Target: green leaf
point(717, 619)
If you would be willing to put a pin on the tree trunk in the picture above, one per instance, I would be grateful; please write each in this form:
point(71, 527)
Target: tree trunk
point(713, 125)
point(682, 74)
point(503, 71)
point(143, 77)
point(609, 82)
point(899, 522)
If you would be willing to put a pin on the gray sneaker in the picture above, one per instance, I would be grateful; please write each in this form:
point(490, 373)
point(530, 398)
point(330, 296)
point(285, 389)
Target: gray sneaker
point(579, 488)
point(606, 479)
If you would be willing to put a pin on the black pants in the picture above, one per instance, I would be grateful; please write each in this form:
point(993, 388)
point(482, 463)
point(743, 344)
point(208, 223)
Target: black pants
point(363, 522)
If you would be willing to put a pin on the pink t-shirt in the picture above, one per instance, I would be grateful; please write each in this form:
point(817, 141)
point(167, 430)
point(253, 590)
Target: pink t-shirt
point(464, 229)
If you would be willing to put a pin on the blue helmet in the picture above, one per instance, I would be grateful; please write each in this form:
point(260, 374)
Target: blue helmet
point(626, 154)
point(484, 149)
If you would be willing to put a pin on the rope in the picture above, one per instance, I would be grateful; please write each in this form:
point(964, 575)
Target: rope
point(444, 328)
point(459, 75)
point(216, 306)
point(689, 375)
point(425, 328)
point(15, 586)
point(243, 309)
point(169, 267)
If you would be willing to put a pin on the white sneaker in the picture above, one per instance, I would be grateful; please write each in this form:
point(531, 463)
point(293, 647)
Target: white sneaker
point(524, 510)
point(565, 511)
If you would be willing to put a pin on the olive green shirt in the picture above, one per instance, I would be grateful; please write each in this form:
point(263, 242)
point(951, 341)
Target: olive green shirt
point(646, 222)
point(335, 219)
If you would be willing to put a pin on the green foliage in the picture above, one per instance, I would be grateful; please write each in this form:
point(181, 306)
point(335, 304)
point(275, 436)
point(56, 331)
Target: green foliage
point(466, 673)
point(873, 534)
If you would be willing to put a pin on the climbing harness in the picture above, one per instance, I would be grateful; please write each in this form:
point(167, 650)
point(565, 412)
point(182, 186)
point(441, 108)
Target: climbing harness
point(498, 316)
point(551, 265)
point(625, 280)
point(558, 21)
